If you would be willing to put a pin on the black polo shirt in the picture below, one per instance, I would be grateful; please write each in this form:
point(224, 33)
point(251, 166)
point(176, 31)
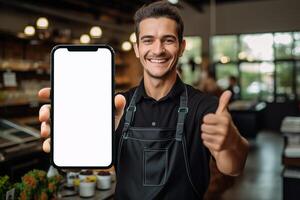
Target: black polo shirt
point(164, 113)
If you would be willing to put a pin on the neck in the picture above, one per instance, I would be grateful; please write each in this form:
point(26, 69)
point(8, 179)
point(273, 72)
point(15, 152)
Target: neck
point(158, 88)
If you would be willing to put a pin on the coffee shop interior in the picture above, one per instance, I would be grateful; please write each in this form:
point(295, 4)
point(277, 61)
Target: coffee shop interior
point(249, 46)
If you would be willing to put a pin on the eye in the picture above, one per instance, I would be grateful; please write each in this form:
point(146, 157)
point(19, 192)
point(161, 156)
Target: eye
point(169, 41)
point(147, 41)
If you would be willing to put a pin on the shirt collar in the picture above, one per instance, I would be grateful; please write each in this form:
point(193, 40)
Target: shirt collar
point(175, 91)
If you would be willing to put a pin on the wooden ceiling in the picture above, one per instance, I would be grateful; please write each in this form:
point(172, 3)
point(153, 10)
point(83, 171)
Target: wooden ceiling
point(120, 11)
point(114, 16)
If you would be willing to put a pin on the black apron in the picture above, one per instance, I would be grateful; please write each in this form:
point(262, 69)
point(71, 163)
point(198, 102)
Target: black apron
point(152, 162)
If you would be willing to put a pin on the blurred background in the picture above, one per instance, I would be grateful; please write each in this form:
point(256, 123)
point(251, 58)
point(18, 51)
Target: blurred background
point(251, 47)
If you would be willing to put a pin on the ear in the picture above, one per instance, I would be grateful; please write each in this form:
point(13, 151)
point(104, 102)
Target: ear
point(136, 50)
point(182, 47)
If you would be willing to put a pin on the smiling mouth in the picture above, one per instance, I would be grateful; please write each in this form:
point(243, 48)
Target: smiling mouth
point(157, 60)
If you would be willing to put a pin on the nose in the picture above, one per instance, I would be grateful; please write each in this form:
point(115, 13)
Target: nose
point(158, 47)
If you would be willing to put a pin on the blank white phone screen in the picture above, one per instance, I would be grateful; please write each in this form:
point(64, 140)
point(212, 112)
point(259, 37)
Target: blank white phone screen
point(82, 108)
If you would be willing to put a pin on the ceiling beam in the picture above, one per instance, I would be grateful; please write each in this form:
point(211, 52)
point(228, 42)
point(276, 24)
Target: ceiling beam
point(75, 17)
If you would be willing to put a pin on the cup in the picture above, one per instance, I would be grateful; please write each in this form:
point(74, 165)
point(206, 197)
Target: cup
point(87, 189)
point(84, 174)
point(71, 176)
point(104, 180)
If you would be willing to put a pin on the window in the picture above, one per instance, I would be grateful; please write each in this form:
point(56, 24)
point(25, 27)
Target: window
point(267, 70)
point(296, 50)
point(257, 81)
point(223, 72)
point(263, 62)
point(250, 83)
point(283, 45)
point(298, 79)
point(257, 47)
point(284, 81)
point(190, 61)
point(225, 47)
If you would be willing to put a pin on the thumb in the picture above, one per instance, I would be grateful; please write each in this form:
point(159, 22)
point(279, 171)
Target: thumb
point(44, 93)
point(120, 103)
point(223, 101)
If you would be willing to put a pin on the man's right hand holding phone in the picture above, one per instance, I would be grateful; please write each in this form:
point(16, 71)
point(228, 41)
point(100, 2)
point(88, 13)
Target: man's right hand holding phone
point(44, 115)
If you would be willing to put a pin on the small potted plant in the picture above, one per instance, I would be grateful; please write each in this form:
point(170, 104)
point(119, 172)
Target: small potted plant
point(104, 180)
point(36, 185)
point(85, 173)
point(87, 186)
point(5, 185)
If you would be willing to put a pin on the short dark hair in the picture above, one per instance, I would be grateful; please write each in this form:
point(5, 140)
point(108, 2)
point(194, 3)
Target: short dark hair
point(156, 10)
point(232, 78)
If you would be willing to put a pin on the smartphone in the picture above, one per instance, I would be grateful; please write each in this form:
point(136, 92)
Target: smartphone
point(82, 108)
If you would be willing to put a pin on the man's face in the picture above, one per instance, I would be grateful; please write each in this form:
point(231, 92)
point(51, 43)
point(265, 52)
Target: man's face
point(158, 47)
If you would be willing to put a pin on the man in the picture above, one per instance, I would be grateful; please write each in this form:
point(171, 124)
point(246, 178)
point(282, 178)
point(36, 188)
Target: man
point(233, 88)
point(168, 128)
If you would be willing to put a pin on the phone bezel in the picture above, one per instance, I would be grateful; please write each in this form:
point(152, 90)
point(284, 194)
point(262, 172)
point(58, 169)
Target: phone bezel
point(93, 47)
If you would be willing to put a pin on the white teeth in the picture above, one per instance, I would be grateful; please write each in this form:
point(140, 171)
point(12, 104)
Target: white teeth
point(158, 60)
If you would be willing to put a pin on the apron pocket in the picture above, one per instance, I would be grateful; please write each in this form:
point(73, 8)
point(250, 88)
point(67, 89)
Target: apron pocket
point(155, 166)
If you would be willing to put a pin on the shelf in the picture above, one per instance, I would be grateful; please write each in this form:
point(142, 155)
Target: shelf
point(292, 150)
point(22, 102)
point(290, 127)
point(290, 162)
point(29, 71)
point(291, 173)
point(25, 70)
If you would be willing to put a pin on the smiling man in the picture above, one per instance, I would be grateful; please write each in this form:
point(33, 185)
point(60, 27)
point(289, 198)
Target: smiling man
point(166, 130)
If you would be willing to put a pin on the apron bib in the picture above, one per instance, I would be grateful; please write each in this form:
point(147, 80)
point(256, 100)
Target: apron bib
point(152, 161)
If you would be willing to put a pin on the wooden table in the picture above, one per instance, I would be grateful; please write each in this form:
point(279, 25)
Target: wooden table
point(99, 195)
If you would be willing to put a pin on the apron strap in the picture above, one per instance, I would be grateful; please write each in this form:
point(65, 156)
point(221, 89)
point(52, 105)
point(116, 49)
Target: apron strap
point(182, 112)
point(130, 112)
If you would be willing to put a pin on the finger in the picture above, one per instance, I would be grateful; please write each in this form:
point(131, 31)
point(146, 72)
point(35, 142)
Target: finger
point(211, 146)
point(223, 102)
point(211, 118)
point(44, 93)
point(120, 103)
point(209, 138)
point(46, 145)
point(45, 129)
point(44, 114)
point(211, 129)
point(217, 120)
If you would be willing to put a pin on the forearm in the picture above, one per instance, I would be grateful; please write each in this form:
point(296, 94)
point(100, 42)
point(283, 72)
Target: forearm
point(232, 161)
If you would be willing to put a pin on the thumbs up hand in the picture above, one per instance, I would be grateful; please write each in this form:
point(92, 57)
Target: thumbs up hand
point(217, 129)
point(223, 139)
